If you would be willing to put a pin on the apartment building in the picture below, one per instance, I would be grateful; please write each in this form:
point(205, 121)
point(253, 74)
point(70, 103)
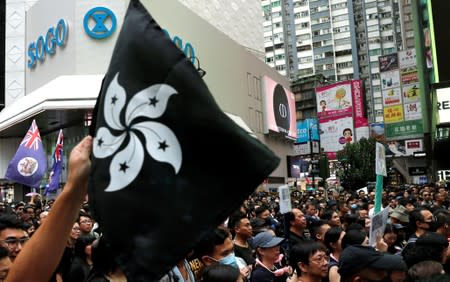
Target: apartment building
point(340, 39)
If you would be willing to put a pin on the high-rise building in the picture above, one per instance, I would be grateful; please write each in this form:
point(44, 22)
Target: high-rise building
point(340, 39)
point(303, 38)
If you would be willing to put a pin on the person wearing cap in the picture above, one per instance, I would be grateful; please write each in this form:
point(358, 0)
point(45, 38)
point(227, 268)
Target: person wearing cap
point(331, 205)
point(310, 261)
point(364, 263)
point(267, 266)
point(399, 216)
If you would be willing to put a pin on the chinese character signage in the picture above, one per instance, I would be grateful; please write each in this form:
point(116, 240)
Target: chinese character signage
point(400, 90)
point(393, 114)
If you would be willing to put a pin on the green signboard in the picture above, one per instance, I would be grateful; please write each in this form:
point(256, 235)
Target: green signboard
point(404, 130)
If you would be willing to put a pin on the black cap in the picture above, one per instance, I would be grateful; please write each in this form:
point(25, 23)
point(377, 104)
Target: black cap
point(355, 258)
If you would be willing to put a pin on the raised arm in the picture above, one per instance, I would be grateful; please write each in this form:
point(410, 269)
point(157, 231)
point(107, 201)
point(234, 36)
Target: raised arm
point(41, 255)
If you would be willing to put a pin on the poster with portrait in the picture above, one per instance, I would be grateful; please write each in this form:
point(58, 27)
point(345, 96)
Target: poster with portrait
point(334, 100)
point(336, 133)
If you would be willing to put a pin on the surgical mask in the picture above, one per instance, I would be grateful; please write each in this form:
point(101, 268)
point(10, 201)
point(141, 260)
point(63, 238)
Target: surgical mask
point(354, 206)
point(229, 260)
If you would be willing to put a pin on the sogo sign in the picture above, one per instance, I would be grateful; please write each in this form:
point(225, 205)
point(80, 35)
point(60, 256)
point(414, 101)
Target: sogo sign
point(55, 37)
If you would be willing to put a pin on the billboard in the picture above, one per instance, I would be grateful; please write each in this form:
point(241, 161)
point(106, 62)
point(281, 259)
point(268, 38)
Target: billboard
point(411, 93)
point(335, 133)
point(377, 131)
point(393, 114)
point(400, 90)
point(392, 97)
point(358, 105)
point(388, 62)
point(303, 130)
point(341, 113)
point(404, 148)
point(407, 58)
point(279, 106)
point(412, 111)
point(390, 79)
point(334, 100)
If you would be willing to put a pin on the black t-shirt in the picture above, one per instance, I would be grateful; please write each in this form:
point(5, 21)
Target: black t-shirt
point(261, 274)
point(246, 253)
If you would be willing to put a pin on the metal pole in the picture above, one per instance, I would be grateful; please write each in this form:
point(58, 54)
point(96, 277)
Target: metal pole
point(312, 157)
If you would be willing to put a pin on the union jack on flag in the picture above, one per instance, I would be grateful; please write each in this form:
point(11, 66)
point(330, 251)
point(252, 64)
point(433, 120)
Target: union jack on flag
point(32, 139)
point(55, 173)
point(29, 164)
point(59, 147)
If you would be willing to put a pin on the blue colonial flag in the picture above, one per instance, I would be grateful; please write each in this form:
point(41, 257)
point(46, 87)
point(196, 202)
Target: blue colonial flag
point(168, 164)
point(29, 164)
point(55, 173)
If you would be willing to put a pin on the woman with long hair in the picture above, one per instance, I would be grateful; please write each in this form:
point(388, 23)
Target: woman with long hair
point(333, 242)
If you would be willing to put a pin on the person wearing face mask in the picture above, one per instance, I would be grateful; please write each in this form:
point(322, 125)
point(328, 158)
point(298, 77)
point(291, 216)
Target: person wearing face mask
point(267, 266)
point(217, 247)
point(421, 221)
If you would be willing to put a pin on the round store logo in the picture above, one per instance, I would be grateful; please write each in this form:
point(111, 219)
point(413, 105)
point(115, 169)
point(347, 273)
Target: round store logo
point(281, 109)
point(100, 22)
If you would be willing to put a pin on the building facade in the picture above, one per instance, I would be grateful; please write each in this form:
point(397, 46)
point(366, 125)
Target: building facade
point(59, 87)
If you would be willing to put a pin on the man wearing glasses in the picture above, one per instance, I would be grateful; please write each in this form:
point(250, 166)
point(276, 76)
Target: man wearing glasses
point(86, 225)
point(13, 235)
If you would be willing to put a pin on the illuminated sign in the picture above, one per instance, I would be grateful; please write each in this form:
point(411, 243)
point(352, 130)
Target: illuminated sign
point(443, 97)
point(55, 37)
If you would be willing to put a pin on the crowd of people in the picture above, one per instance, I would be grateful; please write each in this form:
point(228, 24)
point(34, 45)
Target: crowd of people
point(323, 238)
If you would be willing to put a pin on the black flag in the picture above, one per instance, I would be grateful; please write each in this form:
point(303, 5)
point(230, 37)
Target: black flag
point(168, 164)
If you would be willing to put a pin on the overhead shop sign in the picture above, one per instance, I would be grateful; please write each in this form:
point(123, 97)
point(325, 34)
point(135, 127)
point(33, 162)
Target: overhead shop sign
point(48, 43)
point(443, 97)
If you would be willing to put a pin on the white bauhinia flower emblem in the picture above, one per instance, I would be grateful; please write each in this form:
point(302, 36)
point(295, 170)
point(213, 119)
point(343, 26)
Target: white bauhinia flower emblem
point(160, 142)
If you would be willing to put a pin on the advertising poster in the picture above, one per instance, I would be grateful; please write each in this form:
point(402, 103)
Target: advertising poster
point(393, 114)
point(411, 146)
point(285, 199)
point(380, 159)
point(411, 93)
point(334, 100)
point(392, 97)
point(409, 75)
point(404, 130)
point(377, 131)
point(390, 79)
point(413, 111)
point(303, 130)
point(404, 148)
point(407, 58)
point(279, 106)
point(335, 133)
point(358, 105)
point(388, 62)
